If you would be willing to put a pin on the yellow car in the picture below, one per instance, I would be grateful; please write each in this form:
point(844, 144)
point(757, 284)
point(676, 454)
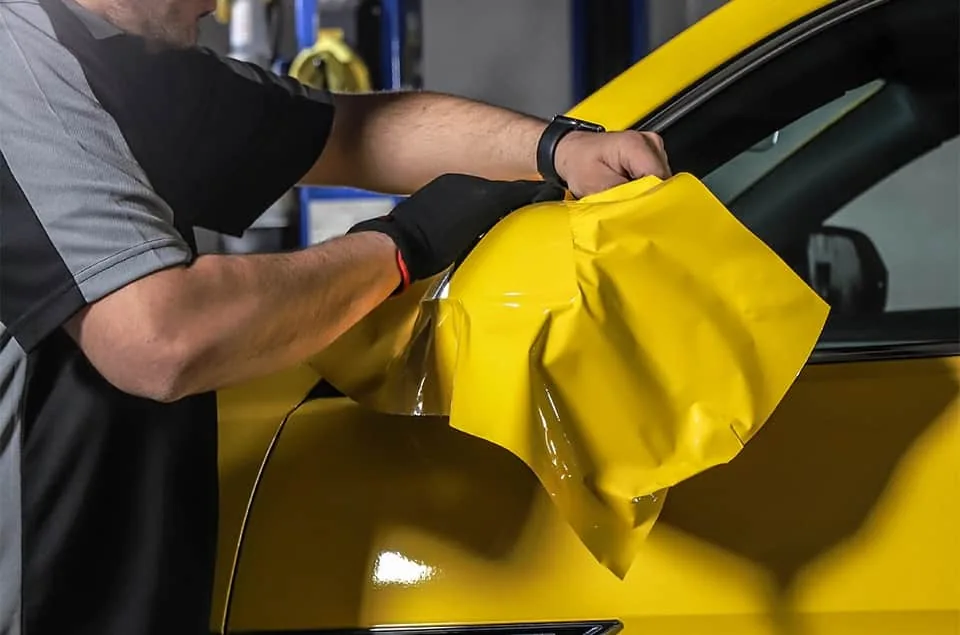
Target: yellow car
point(829, 128)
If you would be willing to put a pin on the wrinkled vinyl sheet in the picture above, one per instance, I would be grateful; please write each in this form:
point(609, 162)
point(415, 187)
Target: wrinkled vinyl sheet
point(617, 344)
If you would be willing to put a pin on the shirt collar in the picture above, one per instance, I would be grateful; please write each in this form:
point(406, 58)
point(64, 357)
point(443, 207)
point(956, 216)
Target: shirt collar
point(99, 27)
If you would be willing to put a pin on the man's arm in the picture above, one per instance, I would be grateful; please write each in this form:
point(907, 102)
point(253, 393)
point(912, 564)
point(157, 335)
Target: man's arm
point(225, 319)
point(396, 142)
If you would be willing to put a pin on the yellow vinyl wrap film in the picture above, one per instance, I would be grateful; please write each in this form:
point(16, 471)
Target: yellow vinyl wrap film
point(609, 347)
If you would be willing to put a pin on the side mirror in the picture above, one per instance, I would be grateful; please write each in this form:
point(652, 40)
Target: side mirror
point(845, 268)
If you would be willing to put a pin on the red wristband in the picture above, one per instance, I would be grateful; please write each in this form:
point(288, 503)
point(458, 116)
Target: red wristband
point(404, 272)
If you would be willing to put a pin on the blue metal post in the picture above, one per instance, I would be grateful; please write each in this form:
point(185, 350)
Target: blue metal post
point(578, 35)
point(305, 18)
point(393, 27)
point(392, 31)
point(639, 29)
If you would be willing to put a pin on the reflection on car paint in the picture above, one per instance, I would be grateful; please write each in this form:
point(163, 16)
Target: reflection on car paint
point(393, 567)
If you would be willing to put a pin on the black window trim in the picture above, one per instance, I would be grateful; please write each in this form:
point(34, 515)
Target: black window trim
point(746, 62)
point(610, 626)
point(711, 84)
point(886, 352)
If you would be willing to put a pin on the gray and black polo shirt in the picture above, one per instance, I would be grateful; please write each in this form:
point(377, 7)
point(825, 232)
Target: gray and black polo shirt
point(111, 152)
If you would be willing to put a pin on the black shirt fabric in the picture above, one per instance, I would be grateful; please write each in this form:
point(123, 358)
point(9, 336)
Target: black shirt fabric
point(111, 152)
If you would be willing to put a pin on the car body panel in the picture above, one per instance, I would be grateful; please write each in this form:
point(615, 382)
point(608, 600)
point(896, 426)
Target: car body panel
point(840, 517)
point(366, 519)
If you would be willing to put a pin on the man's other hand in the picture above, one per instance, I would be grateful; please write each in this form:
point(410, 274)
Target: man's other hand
point(592, 162)
point(439, 223)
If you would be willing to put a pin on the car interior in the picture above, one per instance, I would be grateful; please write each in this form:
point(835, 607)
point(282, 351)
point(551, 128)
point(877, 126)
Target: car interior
point(885, 84)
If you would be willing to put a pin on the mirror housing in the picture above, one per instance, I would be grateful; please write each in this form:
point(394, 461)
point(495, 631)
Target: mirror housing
point(845, 268)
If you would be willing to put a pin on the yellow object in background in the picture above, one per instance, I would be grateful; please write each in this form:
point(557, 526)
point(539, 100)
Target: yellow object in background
point(331, 64)
point(222, 11)
point(618, 345)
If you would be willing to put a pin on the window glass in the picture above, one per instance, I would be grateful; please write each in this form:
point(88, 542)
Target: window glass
point(842, 154)
point(732, 178)
point(913, 218)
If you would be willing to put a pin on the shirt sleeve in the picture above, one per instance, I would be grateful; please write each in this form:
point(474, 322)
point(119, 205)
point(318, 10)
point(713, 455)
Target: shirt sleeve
point(240, 136)
point(78, 217)
point(266, 131)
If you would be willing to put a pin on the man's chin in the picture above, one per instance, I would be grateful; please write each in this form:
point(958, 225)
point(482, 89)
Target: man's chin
point(187, 37)
point(167, 40)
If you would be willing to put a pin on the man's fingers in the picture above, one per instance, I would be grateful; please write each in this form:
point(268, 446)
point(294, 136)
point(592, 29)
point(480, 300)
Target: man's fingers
point(594, 163)
point(654, 139)
point(604, 179)
point(657, 142)
point(642, 154)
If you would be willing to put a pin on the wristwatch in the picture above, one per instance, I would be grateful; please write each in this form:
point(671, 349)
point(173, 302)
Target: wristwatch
point(557, 129)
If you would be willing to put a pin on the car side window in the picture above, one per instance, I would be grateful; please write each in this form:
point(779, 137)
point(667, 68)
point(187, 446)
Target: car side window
point(841, 152)
point(913, 219)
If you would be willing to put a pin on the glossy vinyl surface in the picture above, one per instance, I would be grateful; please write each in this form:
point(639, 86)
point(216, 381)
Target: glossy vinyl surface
point(603, 343)
point(838, 518)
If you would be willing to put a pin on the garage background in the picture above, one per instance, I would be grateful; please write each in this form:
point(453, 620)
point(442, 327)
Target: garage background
point(521, 54)
point(519, 51)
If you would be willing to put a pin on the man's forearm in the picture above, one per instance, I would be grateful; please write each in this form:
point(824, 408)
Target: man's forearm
point(229, 318)
point(396, 142)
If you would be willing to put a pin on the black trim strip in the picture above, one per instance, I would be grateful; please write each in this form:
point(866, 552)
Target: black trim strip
point(599, 627)
point(888, 352)
point(760, 53)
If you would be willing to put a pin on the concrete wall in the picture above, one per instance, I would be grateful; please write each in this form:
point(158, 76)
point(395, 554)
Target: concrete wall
point(517, 53)
point(669, 17)
point(513, 53)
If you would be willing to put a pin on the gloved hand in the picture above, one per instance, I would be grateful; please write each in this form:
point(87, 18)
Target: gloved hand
point(442, 221)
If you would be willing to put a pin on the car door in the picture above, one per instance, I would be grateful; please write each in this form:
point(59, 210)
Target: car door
point(834, 139)
point(836, 142)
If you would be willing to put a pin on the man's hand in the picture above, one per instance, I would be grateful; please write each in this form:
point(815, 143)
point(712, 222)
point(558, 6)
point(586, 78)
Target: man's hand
point(592, 162)
point(440, 223)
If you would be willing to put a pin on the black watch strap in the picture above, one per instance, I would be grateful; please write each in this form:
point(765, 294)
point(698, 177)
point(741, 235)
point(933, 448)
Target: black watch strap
point(557, 129)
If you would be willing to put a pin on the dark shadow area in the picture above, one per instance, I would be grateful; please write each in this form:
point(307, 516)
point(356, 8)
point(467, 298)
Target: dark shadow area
point(811, 477)
point(340, 476)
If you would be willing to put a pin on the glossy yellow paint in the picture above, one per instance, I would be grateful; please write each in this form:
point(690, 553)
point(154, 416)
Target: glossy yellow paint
point(718, 38)
point(602, 342)
point(838, 518)
point(249, 415)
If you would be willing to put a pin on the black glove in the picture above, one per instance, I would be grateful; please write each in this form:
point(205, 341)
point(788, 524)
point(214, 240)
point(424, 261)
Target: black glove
point(439, 223)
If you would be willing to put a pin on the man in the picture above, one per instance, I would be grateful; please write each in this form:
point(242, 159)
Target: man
point(117, 138)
